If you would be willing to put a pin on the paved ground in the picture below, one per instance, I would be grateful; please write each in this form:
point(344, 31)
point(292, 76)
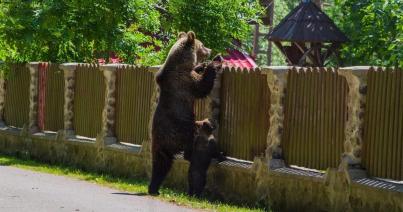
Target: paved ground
point(22, 190)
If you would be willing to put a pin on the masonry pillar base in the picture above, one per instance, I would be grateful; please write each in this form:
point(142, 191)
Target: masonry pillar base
point(65, 134)
point(276, 164)
point(109, 141)
point(356, 173)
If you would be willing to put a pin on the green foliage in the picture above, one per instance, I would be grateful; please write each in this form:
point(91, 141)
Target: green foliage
point(216, 23)
point(375, 28)
point(75, 30)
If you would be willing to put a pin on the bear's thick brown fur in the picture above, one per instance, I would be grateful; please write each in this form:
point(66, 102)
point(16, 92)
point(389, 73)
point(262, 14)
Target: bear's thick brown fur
point(173, 125)
point(205, 148)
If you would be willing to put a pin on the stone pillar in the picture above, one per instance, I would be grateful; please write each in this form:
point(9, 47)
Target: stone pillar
point(33, 97)
point(69, 87)
point(2, 100)
point(277, 83)
point(109, 114)
point(356, 78)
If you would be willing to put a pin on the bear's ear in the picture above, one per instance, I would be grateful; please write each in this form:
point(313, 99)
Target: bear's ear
point(191, 37)
point(182, 34)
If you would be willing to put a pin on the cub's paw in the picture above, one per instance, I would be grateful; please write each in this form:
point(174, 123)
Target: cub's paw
point(221, 157)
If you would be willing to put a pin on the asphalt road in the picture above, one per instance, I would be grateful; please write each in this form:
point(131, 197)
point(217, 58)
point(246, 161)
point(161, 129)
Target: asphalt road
point(22, 190)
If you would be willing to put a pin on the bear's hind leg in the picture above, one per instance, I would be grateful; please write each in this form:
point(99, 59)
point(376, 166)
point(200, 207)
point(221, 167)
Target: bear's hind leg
point(162, 163)
point(197, 181)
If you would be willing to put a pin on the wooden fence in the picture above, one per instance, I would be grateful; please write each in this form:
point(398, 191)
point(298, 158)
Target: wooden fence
point(202, 109)
point(315, 115)
point(89, 100)
point(133, 104)
point(244, 118)
point(54, 97)
point(315, 112)
point(383, 124)
point(16, 108)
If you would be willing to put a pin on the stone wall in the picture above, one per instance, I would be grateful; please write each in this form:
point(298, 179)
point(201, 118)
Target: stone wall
point(283, 189)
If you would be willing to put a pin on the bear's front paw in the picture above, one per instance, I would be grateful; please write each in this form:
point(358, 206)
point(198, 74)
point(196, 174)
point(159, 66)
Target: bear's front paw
point(200, 68)
point(218, 58)
point(214, 66)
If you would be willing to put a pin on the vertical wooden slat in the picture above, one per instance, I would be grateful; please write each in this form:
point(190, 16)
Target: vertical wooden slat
point(371, 114)
point(399, 127)
point(321, 130)
point(334, 150)
point(233, 102)
point(378, 114)
point(340, 121)
point(388, 142)
point(394, 130)
point(382, 129)
point(309, 121)
point(316, 120)
point(247, 137)
point(239, 109)
point(293, 107)
point(298, 108)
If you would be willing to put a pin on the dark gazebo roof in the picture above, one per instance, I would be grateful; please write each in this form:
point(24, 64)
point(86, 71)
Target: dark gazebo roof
point(307, 23)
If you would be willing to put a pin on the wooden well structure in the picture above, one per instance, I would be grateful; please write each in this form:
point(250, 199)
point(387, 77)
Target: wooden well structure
point(307, 36)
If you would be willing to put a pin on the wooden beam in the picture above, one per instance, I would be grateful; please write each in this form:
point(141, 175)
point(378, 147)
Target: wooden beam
point(256, 41)
point(270, 46)
point(278, 44)
point(304, 50)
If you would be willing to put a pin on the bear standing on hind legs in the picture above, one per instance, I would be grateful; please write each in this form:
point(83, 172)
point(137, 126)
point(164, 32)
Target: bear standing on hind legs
point(205, 148)
point(173, 125)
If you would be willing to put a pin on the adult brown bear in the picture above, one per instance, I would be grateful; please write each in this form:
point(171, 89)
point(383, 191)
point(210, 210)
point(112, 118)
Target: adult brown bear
point(173, 126)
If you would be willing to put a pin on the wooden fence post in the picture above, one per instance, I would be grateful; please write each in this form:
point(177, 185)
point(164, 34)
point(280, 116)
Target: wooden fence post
point(33, 97)
point(109, 112)
point(69, 86)
point(277, 83)
point(356, 78)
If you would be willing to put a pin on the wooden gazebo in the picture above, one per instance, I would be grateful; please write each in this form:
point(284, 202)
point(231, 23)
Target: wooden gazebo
point(312, 37)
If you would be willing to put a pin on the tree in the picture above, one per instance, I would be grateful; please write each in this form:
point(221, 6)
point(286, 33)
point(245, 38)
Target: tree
point(216, 23)
point(75, 30)
point(375, 28)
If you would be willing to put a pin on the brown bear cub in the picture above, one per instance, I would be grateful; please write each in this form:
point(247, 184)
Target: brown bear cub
point(173, 123)
point(204, 150)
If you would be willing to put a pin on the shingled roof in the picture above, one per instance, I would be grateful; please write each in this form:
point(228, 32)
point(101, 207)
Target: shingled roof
point(307, 23)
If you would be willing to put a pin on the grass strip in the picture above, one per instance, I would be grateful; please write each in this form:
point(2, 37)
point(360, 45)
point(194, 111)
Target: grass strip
point(124, 184)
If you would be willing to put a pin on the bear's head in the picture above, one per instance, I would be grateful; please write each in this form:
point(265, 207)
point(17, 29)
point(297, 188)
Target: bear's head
point(188, 51)
point(207, 142)
point(204, 128)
